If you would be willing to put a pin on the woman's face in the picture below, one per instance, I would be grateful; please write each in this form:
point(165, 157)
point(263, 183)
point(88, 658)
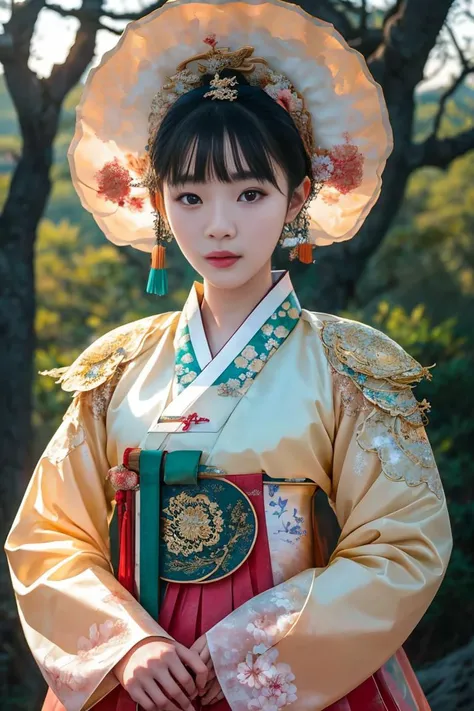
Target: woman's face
point(228, 231)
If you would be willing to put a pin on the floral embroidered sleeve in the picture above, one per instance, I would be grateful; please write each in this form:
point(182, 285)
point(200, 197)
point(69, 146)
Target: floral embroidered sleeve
point(310, 640)
point(78, 620)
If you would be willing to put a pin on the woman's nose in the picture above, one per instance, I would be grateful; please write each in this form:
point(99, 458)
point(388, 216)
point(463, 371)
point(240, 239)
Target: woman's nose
point(220, 225)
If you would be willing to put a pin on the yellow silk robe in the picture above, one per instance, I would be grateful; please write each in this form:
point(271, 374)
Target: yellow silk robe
point(295, 394)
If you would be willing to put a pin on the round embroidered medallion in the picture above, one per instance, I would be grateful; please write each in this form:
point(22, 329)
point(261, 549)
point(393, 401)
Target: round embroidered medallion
point(208, 531)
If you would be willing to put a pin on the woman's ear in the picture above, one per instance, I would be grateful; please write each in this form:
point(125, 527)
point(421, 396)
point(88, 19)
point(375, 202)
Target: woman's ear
point(298, 199)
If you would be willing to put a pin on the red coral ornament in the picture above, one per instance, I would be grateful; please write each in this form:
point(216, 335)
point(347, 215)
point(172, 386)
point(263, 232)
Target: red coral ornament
point(114, 182)
point(135, 204)
point(348, 164)
point(210, 40)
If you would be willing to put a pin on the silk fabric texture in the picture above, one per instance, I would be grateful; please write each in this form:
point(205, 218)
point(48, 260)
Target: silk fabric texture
point(298, 418)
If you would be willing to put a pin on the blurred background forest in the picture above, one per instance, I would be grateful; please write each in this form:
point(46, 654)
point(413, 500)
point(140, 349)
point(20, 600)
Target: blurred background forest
point(417, 286)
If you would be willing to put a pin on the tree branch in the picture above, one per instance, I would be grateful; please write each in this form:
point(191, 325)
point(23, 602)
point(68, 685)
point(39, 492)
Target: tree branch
point(446, 95)
point(439, 152)
point(130, 16)
point(410, 34)
point(65, 76)
point(462, 57)
point(24, 86)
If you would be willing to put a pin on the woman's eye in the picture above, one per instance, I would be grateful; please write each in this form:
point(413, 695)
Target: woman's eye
point(191, 199)
point(252, 195)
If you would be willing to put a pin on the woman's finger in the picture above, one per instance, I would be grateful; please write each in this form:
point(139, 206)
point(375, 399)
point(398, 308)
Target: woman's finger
point(160, 701)
point(183, 677)
point(194, 661)
point(212, 693)
point(205, 654)
point(143, 700)
point(172, 691)
point(219, 697)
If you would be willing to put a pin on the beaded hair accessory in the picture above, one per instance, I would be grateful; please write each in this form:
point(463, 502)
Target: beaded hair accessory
point(337, 98)
point(279, 88)
point(257, 72)
point(220, 89)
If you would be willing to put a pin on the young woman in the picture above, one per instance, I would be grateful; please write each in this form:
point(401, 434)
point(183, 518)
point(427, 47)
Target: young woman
point(211, 431)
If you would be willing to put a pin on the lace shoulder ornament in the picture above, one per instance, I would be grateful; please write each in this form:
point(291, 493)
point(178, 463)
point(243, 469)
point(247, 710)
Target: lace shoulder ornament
point(100, 361)
point(385, 374)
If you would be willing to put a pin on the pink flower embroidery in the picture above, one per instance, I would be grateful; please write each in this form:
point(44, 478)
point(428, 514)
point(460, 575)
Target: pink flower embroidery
point(279, 687)
point(263, 703)
point(256, 674)
point(98, 634)
point(262, 629)
point(348, 163)
point(118, 598)
point(115, 184)
point(61, 678)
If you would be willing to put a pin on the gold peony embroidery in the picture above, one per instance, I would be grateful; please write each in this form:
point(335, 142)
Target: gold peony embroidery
point(194, 522)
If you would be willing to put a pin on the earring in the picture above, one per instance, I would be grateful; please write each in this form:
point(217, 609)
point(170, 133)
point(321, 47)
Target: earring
point(295, 236)
point(158, 276)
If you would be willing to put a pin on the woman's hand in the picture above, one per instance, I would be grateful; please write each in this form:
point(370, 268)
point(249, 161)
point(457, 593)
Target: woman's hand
point(154, 671)
point(212, 691)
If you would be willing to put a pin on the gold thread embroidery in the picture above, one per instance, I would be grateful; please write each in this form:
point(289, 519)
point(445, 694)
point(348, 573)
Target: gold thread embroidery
point(194, 522)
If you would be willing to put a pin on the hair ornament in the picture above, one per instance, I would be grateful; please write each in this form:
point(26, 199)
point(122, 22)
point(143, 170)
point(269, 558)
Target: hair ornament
point(221, 89)
point(301, 62)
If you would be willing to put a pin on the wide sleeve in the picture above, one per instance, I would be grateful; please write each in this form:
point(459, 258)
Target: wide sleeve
point(78, 620)
point(312, 639)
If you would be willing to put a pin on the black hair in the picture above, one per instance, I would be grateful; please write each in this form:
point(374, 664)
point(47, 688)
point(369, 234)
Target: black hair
point(258, 129)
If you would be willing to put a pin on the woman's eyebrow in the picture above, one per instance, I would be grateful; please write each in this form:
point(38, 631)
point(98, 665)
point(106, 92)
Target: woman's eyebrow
point(234, 177)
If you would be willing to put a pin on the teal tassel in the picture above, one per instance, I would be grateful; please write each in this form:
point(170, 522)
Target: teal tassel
point(157, 282)
point(158, 277)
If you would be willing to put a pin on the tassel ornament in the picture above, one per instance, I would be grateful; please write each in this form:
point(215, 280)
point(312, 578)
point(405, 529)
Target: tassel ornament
point(158, 276)
point(305, 253)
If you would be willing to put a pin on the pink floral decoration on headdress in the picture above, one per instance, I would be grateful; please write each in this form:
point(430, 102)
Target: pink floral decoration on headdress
point(115, 184)
point(285, 99)
point(348, 164)
point(211, 40)
point(340, 168)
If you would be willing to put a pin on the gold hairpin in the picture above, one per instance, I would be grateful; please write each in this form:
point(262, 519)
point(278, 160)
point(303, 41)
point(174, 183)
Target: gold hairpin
point(220, 89)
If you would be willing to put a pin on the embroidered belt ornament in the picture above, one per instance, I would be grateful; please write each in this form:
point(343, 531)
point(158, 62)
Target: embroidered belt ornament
point(208, 526)
point(209, 531)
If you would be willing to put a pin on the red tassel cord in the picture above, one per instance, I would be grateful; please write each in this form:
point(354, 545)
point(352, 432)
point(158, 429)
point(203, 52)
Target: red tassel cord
point(126, 514)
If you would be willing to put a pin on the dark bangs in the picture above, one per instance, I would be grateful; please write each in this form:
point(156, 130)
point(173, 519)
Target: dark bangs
point(191, 142)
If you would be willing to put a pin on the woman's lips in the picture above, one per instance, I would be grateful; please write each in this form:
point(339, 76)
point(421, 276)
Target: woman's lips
point(222, 260)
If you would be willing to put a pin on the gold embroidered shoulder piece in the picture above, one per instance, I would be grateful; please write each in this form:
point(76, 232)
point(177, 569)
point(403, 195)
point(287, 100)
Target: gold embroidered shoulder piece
point(385, 374)
point(377, 365)
point(102, 358)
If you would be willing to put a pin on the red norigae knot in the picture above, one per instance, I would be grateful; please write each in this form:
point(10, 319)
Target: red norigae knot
point(122, 479)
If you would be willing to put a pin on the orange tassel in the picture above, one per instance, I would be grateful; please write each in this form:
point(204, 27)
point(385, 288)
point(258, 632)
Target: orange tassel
point(158, 257)
point(305, 253)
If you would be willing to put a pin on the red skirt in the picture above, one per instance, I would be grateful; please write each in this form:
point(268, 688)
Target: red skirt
point(188, 611)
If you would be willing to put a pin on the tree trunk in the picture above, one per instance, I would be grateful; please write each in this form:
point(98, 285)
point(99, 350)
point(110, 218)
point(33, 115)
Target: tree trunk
point(29, 193)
